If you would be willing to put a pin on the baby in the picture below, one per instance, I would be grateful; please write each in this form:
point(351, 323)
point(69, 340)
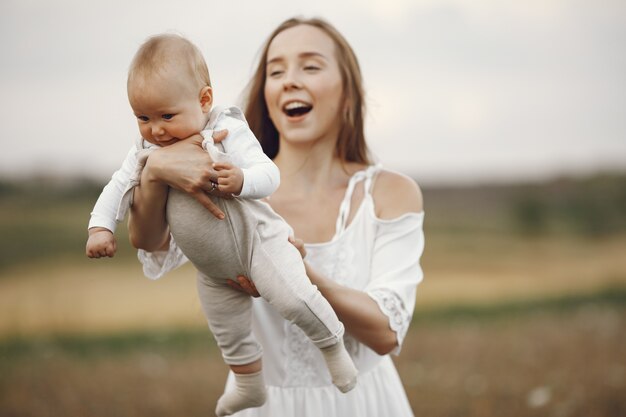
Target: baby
point(171, 95)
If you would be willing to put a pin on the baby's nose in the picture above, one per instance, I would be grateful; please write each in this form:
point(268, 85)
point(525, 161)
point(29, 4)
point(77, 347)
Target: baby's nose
point(157, 129)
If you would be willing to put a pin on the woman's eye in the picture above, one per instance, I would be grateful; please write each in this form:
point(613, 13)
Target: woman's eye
point(275, 73)
point(167, 116)
point(311, 68)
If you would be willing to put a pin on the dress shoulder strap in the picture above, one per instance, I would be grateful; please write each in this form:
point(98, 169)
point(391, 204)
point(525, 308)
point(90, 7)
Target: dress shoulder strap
point(366, 175)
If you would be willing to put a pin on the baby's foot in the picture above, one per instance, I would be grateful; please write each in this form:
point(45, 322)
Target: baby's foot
point(249, 392)
point(342, 369)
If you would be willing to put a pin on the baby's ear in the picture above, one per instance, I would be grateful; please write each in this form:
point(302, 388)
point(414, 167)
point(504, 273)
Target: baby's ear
point(206, 98)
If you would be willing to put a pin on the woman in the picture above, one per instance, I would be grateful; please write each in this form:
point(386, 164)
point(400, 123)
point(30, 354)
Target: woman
point(362, 225)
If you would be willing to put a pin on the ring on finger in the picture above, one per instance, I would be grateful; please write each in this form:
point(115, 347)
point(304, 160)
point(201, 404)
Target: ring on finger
point(213, 186)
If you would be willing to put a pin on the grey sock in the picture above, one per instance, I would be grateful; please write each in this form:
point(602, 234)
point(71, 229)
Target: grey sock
point(249, 391)
point(340, 365)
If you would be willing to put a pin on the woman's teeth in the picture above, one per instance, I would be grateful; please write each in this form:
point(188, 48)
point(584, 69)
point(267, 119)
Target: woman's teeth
point(297, 108)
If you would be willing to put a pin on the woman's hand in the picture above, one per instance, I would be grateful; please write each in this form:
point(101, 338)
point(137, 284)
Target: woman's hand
point(244, 284)
point(189, 168)
point(299, 244)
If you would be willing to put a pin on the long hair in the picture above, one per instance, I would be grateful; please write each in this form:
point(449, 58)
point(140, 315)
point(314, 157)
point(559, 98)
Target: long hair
point(351, 145)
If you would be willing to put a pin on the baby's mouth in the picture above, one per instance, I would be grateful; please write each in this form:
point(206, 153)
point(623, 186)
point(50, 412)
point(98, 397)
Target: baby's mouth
point(297, 108)
point(168, 142)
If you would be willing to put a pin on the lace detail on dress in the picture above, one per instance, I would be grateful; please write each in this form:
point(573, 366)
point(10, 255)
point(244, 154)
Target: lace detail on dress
point(299, 352)
point(393, 307)
point(335, 260)
point(158, 263)
point(336, 263)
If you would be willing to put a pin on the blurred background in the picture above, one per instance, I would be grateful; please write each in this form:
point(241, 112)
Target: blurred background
point(510, 115)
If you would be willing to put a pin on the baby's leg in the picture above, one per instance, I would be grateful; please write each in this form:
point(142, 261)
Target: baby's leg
point(278, 273)
point(229, 314)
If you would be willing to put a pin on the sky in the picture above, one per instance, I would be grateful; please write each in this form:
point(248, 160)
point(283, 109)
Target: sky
point(457, 91)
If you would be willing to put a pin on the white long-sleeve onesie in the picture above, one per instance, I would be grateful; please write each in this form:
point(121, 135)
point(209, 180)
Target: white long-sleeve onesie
point(241, 148)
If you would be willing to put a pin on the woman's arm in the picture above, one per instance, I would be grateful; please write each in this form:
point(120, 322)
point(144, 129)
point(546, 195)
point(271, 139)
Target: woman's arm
point(394, 196)
point(185, 166)
point(358, 312)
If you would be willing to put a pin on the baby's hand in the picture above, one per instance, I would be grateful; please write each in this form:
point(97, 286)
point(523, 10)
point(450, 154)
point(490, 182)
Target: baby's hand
point(101, 243)
point(229, 178)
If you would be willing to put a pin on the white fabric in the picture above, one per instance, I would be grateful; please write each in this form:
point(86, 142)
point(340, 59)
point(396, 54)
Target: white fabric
point(378, 393)
point(380, 257)
point(261, 175)
point(158, 263)
point(105, 209)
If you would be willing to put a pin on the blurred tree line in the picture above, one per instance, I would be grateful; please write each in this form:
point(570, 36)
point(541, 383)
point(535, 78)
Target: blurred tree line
point(47, 217)
point(593, 206)
point(588, 207)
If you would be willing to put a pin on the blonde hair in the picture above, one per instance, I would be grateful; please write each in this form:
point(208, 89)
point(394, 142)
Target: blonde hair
point(351, 145)
point(162, 53)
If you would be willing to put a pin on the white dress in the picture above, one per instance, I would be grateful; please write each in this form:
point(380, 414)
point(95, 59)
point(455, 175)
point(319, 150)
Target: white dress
point(380, 257)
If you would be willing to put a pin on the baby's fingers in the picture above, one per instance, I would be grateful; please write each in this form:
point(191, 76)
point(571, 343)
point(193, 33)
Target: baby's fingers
point(221, 166)
point(110, 250)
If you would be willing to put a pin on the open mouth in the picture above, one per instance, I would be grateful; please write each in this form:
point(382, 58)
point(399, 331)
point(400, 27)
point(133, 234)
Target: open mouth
point(297, 108)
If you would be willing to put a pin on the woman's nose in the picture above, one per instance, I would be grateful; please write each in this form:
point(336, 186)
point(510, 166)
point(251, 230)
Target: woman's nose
point(291, 81)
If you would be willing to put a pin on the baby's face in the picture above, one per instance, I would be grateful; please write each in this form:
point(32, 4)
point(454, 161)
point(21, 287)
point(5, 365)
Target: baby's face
point(167, 109)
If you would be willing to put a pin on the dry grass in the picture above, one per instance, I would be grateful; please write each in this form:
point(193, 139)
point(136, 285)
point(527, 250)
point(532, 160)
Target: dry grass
point(558, 362)
point(108, 296)
point(568, 364)
point(540, 364)
point(483, 269)
point(95, 297)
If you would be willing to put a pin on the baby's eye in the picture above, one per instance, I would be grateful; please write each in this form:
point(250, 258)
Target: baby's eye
point(143, 118)
point(167, 116)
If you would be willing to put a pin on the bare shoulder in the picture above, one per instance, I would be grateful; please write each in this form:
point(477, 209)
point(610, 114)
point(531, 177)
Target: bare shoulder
point(396, 194)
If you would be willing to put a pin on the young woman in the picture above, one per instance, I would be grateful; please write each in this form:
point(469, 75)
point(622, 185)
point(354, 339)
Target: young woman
point(361, 225)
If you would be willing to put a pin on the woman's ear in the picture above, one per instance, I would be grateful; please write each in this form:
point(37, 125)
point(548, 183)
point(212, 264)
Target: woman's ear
point(206, 98)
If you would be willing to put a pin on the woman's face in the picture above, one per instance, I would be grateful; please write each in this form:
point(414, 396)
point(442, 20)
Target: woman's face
point(303, 87)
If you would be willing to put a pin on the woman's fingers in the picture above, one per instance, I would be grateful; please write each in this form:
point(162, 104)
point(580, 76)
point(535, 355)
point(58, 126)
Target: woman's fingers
point(216, 191)
point(299, 244)
point(208, 204)
point(234, 285)
point(183, 165)
point(243, 284)
point(248, 286)
point(219, 135)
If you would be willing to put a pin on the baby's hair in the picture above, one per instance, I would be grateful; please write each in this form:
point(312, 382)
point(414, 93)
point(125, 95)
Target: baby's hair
point(164, 52)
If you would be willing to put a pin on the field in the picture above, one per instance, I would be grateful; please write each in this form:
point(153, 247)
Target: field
point(522, 311)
